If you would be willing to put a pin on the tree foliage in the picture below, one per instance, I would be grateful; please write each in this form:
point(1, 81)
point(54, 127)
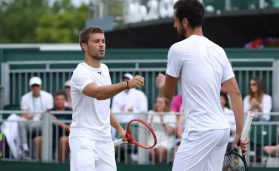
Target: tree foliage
point(36, 21)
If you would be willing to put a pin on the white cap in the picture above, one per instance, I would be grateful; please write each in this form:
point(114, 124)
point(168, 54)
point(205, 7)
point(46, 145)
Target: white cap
point(35, 80)
point(128, 75)
point(67, 83)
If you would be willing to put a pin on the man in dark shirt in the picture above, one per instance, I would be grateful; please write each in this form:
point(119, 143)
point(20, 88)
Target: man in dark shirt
point(60, 130)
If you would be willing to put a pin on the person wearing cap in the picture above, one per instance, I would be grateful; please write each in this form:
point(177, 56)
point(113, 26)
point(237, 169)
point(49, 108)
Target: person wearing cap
point(68, 101)
point(129, 100)
point(32, 105)
point(128, 104)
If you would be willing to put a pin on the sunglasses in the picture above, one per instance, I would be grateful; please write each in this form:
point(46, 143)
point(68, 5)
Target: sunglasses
point(254, 84)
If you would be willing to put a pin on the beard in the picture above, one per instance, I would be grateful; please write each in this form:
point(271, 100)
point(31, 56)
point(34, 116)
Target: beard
point(96, 56)
point(181, 34)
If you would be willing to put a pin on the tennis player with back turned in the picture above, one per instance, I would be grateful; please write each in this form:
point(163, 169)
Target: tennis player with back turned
point(201, 66)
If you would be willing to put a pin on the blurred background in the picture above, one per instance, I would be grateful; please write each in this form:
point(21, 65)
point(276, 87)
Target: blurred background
point(39, 41)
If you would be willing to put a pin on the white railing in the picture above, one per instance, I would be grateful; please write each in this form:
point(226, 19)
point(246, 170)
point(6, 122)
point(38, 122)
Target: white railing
point(49, 139)
point(54, 74)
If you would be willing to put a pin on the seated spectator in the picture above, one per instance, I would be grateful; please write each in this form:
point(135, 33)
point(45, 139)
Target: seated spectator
point(61, 128)
point(230, 116)
point(176, 103)
point(67, 86)
point(272, 150)
point(163, 126)
point(131, 100)
point(32, 105)
point(258, 101)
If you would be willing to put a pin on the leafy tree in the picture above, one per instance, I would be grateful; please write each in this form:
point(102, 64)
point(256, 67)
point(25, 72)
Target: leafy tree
point(18, 20)
point(63, 26)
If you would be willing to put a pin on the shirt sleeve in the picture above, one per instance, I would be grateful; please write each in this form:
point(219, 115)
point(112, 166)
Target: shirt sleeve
point(50, 102)
point(174, 65)
point(266, 106)
point(24, 103)
point(227, 71)
point(80, 80)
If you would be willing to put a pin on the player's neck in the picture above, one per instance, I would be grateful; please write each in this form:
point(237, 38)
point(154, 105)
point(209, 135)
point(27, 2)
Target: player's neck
point(92, 62)
point(194, 31)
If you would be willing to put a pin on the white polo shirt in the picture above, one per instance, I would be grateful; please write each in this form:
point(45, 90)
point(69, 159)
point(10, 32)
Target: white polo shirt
point(201, 66)
point(91, 117)
point(133, 99)
point(36, 104)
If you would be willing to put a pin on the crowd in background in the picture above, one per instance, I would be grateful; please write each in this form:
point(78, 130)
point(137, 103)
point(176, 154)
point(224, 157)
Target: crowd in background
point(168, 127)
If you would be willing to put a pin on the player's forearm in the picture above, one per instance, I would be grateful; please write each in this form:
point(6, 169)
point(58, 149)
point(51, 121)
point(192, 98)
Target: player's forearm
point(237, 107)
point(162, 89)
point(108, 91)
point(114, 123)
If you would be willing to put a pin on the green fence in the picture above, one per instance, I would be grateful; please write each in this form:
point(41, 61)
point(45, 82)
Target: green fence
point(55, 67)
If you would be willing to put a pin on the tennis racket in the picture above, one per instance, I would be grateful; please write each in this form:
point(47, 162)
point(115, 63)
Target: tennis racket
point(233, 161)
point(139, 133)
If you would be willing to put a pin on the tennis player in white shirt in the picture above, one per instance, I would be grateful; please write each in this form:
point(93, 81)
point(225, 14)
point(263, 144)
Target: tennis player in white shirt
point(90, 140)
point(201, 67)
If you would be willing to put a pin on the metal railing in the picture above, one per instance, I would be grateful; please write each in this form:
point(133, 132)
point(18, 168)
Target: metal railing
point(55, 73)
point(1, 97)
point(50, 144)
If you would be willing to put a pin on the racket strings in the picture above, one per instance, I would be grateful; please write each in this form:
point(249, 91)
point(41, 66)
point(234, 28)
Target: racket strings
point(233, 162)
point(141, 134)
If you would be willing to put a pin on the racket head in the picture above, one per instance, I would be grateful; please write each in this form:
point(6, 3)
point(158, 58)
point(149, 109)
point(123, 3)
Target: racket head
point(233, 161)
point(141, 134)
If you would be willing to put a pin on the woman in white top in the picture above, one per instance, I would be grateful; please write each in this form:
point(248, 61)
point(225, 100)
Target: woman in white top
point(224, 100)
point(68, 102)
point(258, 101)
point(163, 126)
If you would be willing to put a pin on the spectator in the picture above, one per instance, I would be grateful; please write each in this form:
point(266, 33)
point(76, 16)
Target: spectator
point(163, 126)
point(230, 116)
point(61, 128)
point(176, 103)
point(131, 100)
point(32, 105)
point(258, 101)
point(68, 101)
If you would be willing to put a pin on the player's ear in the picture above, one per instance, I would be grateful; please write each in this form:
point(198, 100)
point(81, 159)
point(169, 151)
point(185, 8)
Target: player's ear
point(84, 46)
point(185, 22)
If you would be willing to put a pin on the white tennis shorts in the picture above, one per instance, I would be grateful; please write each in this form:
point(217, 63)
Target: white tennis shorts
point(91, 155)
point(202, 150)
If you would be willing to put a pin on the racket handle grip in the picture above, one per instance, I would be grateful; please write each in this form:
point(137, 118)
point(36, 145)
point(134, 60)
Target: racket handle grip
point(247, 125)
point(118, 142)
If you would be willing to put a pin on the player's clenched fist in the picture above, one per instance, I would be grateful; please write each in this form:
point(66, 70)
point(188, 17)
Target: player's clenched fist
point(160, 80)
point(136, 82)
